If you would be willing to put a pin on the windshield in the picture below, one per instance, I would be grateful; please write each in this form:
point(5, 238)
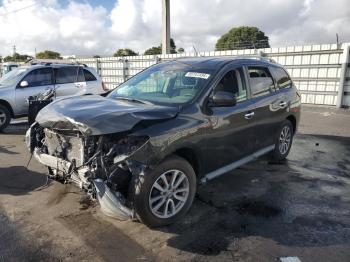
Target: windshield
point(12, 77)
point(169, 83)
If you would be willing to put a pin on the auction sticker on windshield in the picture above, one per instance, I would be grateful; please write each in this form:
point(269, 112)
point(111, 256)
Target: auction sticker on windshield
point(197, 75)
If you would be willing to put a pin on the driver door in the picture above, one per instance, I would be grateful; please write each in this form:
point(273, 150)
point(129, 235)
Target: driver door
point(39, 80)
point(230, 136)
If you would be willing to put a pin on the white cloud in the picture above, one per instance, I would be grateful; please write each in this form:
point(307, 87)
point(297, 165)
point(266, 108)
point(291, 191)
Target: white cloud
point(82, 29)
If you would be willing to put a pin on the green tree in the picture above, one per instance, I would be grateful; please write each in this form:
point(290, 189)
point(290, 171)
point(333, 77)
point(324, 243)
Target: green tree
point(172, 46)
point(157, 50)
point(47, 54)
point(125, 52)
point(17, 58)
point(8, 58)
point(181, 50)
point(96, 56)
point(243, 37)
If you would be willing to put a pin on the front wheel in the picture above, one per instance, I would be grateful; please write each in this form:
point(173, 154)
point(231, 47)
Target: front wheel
point(166, 193)
point(5, 117)
point(283, 141)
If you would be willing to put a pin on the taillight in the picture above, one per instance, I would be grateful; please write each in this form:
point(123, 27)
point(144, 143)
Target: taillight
point(104, 87)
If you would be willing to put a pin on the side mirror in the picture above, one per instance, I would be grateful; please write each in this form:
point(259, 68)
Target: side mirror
point(24, 84)
point(222, 99)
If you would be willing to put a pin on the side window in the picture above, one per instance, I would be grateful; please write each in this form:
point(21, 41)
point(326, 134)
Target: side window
point(81, 77)
point(233, 82)
point(39, 77)
point(89, 76)
point(65, 75)
point(261, 81)
point(282, 78)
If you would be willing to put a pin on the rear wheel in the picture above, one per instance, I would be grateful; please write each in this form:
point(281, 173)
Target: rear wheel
point(165, 194)
point(5, 117)
point(283, 141)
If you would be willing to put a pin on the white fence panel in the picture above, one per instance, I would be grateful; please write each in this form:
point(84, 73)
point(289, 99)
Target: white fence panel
point(315, 69)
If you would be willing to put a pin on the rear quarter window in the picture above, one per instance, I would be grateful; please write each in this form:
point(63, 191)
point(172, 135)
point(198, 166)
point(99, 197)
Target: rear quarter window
point(261, 81)
point(89, 76)
point(282, 78)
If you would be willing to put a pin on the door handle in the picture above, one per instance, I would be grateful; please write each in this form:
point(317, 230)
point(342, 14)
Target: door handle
point(283, 103)
point(249, 115)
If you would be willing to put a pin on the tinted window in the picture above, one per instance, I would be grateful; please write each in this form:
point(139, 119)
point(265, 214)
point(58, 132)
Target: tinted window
point(233, 83)
point(81, 77)
point(282, 78)
point(261, 81)
point(39, 77)
point(89, 76)
point(66, 75)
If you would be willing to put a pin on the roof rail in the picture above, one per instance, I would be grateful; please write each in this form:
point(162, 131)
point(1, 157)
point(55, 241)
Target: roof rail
point(52, 62)
point(256, 57)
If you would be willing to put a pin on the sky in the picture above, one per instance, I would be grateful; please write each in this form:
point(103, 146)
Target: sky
point(93, 27)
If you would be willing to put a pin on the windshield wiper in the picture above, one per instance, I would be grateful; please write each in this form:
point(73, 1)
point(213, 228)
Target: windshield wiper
point(134, 100)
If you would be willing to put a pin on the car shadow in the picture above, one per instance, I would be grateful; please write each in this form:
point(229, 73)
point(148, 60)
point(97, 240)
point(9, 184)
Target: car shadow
point(6, 150)
point(302, 202)
point(15, 129)
point(18, 180)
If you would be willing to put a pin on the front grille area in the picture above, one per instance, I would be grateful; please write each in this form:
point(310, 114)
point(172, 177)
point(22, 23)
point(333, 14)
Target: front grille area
point(68, 147)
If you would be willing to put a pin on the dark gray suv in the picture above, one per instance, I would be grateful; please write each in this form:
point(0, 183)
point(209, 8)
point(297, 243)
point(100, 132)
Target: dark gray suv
point(143, 149)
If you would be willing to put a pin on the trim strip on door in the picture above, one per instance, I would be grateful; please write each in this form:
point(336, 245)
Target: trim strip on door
point(238, 163)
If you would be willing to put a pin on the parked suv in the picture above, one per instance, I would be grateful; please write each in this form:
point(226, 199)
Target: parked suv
point(142, 150)
point(22, 82)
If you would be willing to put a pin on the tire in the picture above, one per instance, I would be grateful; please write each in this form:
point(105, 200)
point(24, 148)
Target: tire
point(283, 142)
point(5, 117)
point(146, 190)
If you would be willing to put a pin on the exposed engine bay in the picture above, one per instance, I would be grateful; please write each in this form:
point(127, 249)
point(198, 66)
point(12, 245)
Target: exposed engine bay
point(99, 165)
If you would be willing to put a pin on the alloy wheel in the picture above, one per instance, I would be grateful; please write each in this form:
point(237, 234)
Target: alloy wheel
point(169, 194)
point(285, 140)
point(2, 117)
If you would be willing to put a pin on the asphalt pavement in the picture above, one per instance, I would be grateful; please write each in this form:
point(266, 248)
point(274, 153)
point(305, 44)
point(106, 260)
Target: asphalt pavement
point(260, 212)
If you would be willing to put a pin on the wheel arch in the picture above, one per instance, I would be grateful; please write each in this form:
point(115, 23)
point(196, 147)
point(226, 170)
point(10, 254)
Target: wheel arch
point(191, 156)
point(293, 120)
point(8, 106)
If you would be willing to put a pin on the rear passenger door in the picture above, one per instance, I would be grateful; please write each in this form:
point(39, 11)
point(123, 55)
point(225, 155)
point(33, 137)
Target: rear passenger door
point(283, 83)
point(231, 133)
point(69, 81)
point(268, 110)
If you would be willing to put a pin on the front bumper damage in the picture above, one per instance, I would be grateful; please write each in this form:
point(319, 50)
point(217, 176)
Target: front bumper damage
point(113, 203)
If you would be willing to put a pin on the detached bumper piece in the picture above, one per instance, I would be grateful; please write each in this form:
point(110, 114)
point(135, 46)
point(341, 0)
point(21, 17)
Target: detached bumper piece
point(111, 202)
point(52, 161)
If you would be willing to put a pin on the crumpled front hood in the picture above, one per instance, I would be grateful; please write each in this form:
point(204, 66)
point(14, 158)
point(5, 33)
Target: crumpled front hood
point(97, 115)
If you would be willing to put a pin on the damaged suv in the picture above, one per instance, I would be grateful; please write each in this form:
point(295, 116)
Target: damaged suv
point(142, 150)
